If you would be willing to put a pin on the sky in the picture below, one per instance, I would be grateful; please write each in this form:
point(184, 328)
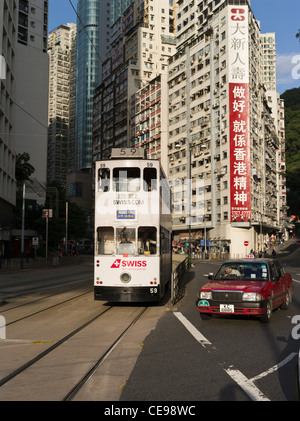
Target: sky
point(279, 16)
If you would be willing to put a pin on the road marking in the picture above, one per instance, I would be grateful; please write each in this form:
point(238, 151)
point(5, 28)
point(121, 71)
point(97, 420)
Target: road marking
point(295, 280)
point(193, 331)
point(275, 367)
point(247, 385)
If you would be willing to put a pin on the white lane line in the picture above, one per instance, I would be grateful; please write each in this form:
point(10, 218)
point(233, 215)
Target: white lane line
point(193, 331)
point(295, 280)
point(275, 367)
point(247, 385)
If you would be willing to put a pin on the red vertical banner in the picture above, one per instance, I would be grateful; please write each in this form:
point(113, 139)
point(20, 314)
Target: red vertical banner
point(239, 114)
point(240, 169)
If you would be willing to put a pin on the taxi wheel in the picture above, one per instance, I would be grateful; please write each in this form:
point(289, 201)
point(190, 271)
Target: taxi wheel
point(205, 316)
point(286, 304)
point(266, 317)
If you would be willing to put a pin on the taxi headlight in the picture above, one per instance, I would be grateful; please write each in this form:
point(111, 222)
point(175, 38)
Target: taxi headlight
point(205, 295)
point(251, 296)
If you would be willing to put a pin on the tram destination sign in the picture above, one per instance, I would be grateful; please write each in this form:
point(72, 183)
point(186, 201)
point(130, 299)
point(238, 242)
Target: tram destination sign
point(125, 214)
point(137, 153)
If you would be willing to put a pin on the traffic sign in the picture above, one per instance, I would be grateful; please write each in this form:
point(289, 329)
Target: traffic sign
point(246, 243)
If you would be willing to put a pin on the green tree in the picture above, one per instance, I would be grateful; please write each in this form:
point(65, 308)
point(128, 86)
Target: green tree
point(292, 137)
point(23, 167)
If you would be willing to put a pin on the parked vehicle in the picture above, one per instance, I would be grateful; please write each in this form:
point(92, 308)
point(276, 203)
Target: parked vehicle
point(249, 287)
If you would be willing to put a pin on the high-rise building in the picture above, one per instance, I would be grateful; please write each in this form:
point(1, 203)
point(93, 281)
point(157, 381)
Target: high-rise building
point(268, 51)
point(31, 88)
point(8, 39)
point(117, 8)
point(134, 91)
point(93, 39)
point(24, 102)
point(62, 58)
point(226, 143)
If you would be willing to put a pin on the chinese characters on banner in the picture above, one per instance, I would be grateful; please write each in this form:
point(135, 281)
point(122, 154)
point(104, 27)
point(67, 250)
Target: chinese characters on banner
point(240, 170)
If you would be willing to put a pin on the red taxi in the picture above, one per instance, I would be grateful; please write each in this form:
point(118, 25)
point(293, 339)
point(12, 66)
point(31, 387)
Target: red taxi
point(252, 287)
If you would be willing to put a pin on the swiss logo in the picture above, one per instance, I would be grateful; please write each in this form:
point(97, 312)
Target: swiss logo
point(116, 264)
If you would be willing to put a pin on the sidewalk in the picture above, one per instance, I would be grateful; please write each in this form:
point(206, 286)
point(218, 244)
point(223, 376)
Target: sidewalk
point(10, 265)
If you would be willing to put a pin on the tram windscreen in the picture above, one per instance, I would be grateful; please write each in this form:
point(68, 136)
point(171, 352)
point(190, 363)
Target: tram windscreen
point(126, 179)
point(126, 240)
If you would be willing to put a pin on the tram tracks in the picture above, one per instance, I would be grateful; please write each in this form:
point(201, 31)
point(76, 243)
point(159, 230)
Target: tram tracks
point(43, 309)
point(74, 391)
point(94, 365)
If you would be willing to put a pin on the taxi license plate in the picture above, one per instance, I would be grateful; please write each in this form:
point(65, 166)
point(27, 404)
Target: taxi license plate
point(226, 308)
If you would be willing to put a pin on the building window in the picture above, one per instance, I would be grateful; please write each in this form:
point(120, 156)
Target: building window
point(74, 189)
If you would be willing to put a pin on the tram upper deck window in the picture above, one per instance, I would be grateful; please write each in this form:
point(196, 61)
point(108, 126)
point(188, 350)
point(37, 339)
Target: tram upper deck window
point(150, 179)
point(105, 240)
point(126, 179)
point(103, 179)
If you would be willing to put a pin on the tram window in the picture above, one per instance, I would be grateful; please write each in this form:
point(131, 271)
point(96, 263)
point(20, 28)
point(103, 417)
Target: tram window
point(105, 240)
point(126, 240)
point(103, 179)
point(150, 179)
point(147, 240)
point(164, 241)
point(126, 179)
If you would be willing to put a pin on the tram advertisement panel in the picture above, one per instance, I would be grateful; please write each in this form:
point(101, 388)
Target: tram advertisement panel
point(131, 270)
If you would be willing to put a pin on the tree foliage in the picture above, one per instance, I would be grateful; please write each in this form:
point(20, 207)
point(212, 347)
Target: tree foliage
point(292, 136)
point(23, 167)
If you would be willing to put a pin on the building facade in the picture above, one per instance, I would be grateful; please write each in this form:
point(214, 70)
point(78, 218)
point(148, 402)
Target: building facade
point(8, 40)
point(61, 116)
point(142, 42)
point(225, 145)
point(93, 39)
point(31, 84)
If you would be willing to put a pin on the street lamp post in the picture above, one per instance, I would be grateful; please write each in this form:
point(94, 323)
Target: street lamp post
point(23, 225)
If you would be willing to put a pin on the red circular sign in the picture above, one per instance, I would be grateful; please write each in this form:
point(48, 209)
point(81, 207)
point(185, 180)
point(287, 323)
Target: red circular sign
point(246, 243)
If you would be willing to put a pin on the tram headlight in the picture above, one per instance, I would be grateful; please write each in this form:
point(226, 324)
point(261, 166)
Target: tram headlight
point(125, 277)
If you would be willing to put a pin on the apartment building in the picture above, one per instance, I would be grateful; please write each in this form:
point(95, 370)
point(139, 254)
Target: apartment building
point(268, 51)
point(142, 42)
point(149, 123)
point(8, 39)
point(31, 89)
point(61, 118)
point(225, 144)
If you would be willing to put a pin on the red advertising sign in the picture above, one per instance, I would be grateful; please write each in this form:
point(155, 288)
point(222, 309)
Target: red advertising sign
point(240, 169)
point(240, 179)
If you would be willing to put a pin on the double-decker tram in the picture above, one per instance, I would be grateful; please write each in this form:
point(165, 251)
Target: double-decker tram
point(132, 228)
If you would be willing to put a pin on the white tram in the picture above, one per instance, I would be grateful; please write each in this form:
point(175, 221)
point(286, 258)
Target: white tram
point(132, 228)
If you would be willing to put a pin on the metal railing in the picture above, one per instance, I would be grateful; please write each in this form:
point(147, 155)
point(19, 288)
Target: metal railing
point(177, 276)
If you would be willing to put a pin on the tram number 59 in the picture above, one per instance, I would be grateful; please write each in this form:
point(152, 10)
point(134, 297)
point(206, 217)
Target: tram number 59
point(153, 291)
